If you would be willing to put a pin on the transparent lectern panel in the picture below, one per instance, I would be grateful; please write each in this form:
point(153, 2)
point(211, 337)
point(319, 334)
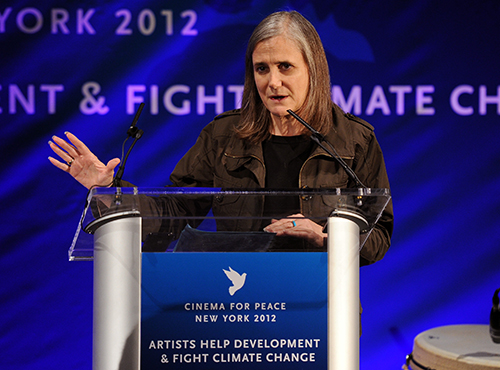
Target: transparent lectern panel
point(222, 220)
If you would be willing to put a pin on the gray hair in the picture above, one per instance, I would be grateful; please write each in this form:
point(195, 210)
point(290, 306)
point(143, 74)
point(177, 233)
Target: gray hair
point(317, 108)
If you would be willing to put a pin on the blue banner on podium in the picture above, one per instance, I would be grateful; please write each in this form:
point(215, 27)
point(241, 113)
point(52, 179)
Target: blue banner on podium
point(221, 310)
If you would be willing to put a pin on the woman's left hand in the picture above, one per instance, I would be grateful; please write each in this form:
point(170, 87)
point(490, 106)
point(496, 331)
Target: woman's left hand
point(299, 226)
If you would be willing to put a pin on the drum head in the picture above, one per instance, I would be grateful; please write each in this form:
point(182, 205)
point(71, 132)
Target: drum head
point(457, 347)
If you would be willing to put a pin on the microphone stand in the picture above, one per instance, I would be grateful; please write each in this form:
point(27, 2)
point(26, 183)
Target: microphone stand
point(119, 174)
point(318, 139)
point(136, 134)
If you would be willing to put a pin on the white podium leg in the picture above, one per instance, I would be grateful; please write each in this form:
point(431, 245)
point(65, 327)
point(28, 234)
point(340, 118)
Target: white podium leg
point(343, 294)
point(117, 295)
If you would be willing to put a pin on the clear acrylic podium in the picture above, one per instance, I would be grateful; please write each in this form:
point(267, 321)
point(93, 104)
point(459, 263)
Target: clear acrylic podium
point(119, 224)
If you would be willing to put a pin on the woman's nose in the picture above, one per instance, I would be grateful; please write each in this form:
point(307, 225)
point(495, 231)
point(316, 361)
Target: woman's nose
point(274, 80)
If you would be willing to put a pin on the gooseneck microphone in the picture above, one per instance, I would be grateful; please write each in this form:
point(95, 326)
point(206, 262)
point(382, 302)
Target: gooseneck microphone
point(136, 134)
point(132, 130)
point(318, 138)
point(495, 318)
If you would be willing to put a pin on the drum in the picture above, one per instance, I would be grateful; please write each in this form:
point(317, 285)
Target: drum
point(455, 347)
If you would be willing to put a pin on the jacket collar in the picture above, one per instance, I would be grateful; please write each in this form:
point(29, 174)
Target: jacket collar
point(341, 138)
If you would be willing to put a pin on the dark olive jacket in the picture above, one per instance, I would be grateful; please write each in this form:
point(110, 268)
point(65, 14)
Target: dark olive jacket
point(220, 159)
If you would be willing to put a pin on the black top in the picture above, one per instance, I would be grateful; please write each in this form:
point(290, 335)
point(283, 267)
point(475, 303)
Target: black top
point(284, 157)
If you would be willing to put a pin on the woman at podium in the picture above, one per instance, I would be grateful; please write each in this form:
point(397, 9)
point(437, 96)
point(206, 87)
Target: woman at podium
point(262, 145)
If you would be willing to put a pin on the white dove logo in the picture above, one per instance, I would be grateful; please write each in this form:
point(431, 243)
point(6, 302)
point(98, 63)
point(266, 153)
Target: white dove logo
point(237, 280)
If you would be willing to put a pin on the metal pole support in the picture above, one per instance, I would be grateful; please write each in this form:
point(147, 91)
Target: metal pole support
point(117, 295)
point(343, 290)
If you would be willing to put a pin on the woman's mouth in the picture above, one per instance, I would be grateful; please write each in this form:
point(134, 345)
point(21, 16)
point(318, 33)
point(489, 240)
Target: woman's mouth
point(278, 97)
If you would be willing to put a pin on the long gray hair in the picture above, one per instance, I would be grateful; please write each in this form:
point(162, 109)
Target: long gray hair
point(317, 109)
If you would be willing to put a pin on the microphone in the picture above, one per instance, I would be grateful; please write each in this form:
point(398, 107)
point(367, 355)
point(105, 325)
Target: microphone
point(318, 139)
point(132, 130)
point(136, 134)
point(495, 318)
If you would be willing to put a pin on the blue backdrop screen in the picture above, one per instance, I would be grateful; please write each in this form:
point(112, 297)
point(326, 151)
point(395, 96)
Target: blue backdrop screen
point(424, 73)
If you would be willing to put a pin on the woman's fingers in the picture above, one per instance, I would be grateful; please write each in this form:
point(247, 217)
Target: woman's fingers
point(77, 160)
point(66, 148)
point(67, 160)
point(58, 164)
point(285, 223)
point(112, 164)
point(299, 226)
point(78, 145)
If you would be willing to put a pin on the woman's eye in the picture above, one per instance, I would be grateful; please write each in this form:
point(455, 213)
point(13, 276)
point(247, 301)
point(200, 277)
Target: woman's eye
point(260, 69)
point(285, 66)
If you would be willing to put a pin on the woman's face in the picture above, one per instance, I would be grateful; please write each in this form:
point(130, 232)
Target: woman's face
point(281, 75)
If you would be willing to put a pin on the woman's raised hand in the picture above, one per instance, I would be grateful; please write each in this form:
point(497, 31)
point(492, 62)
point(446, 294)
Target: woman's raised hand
point(81, 163)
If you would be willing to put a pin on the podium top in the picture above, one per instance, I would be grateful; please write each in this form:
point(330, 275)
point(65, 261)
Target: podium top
point(214, 209)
